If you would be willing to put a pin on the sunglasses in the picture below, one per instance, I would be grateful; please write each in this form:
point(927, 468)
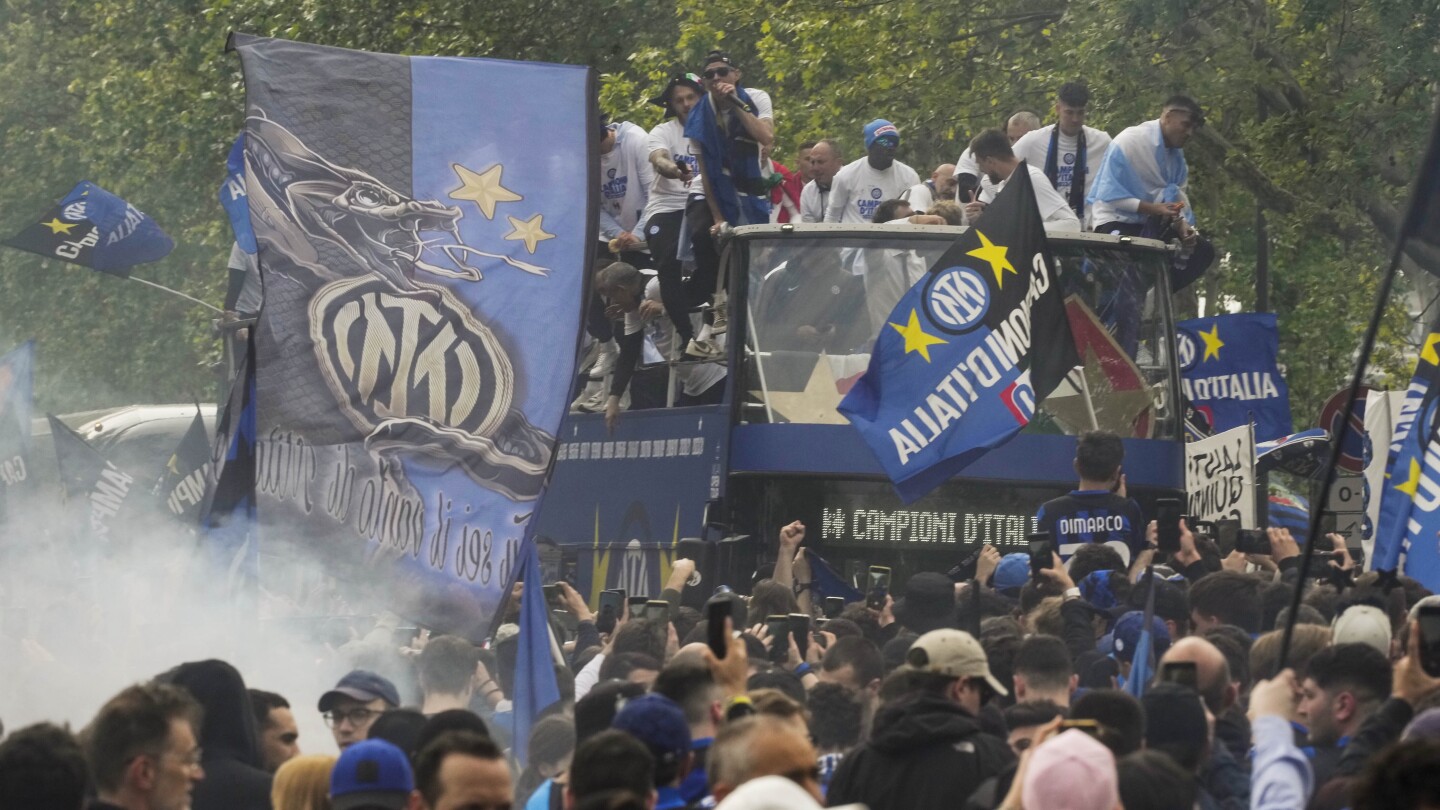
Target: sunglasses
point(720, 72)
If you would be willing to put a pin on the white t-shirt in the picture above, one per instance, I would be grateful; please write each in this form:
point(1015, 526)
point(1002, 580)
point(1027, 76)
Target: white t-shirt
point(695, 378)
point(1054, 209)
point(1034, 145)
point(813, 200)
point(859, 189)
point(625, 180)
point(761, 100)
point(667, 194)
point(965, 164)
point(920, 196)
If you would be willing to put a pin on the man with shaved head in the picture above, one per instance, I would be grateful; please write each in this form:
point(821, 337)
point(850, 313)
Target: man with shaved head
point(1020, 123)
point(1221, 776)
point(762, 745)
point(825, 162)
point(940, 186)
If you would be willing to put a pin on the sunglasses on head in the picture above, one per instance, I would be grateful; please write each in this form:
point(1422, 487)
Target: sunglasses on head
point(720, 72)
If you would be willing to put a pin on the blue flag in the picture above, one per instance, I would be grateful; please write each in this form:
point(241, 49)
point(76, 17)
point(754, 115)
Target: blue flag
point(17, 383)
point(1229, 372)
point(93, 228)
point(420, 221)
point(228, 515)
point(1142, 667)
point(1410, 493)
point(535, 686)
point(234, 200)
point(969, 352)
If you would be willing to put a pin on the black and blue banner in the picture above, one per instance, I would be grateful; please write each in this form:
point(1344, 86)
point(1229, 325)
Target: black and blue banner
point(1230, 372)
point(96, 229)
point(423, 244)
point(970, 351)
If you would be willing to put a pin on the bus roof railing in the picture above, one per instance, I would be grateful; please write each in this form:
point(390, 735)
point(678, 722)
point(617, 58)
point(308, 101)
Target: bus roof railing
point(933, 231)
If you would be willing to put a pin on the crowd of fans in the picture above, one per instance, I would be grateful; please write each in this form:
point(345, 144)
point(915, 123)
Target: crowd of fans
point(1013, 686)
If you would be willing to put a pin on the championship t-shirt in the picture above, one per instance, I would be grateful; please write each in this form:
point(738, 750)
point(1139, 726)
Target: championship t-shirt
point(669, 194)
point(859, 189)
point(1034, 146)
point(1093, 516)
point(1054, 210)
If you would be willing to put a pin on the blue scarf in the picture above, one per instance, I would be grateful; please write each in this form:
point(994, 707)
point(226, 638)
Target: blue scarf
point(732, 161)
point(1077, 176)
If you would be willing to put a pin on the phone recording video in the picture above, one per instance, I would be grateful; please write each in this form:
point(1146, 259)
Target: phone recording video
point(778, 624)
point(879, 587)
point(717, 610)
point(1181, 672)
point(834, 606)
point(1042, 553)
point(1167, 524)
point(1429, 617)
point(637, 606)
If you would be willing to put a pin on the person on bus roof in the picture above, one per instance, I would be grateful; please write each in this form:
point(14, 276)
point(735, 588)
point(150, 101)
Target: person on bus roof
point(1098, 511)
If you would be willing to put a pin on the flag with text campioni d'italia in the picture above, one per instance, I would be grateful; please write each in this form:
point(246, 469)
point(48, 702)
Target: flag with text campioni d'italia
point(970, 351)
point(96, 229)
point(422, 241)
point(1230, 371)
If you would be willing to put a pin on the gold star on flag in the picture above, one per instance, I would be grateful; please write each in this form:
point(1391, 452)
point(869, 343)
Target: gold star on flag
point(528, 231)
point(56, 226)
point(1212, 343)
point(995, 255)
point(916, 339)
point(1412, 483)
point(1428, 354)
point(482, 189)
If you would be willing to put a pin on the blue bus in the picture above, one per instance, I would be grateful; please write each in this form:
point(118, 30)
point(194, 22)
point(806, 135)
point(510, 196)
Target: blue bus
point(806, 301)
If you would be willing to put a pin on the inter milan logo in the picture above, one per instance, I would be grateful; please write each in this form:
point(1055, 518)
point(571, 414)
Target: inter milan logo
point(875, 193)
point(1185, 348)
point(1069, 158)
point(957, 299)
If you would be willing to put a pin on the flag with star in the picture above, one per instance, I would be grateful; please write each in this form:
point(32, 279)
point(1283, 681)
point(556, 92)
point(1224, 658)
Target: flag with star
point(96, 229)
point(421, 238)
point(970, 352)
point(1409, 517)
point(1230, 372)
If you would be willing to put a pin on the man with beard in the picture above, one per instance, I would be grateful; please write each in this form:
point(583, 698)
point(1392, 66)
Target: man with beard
point(862, 185)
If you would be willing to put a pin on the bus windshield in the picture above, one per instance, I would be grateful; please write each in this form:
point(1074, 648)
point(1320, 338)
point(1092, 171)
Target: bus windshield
point(815, 302)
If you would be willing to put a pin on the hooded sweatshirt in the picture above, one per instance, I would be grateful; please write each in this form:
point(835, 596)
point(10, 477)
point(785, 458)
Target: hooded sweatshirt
point(925, 752)
point(234, 779)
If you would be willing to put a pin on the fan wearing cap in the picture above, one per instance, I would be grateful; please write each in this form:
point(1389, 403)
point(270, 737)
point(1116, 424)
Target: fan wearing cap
point(371, 775)
point(659, 723)
point(926, 749)
point(355, 702)
point(927, 604)
point(675, 164)
point(860, 187)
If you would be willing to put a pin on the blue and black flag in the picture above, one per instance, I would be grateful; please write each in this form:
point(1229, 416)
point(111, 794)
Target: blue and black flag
point(184, 481)
point(96, 229)
point(17, 383)
point(970, 351)
point(107, 496)
point(1230, 370)
point(421, 218)
point(227, 515)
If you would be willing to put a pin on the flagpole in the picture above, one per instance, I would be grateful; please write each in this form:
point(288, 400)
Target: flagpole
point(163, 288)
point(1307, 554)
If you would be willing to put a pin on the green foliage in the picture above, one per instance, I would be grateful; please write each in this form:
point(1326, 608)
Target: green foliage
point(139, 96)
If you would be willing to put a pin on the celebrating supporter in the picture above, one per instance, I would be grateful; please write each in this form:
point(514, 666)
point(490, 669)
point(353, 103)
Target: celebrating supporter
point(940, 186)
point(926, 749)
point(1042, 671)
point(1067, 149)
point(279, 736)
point(996, 160)
point(446, 668)
point(144, 750)
point(672, 156)
point(461, 770)
point(825, 163)
point(228, 737)
point(626, 177)
point(303, 783)
point(1098, 510)
point(354, 703)
point(860, 187)
point(42, 768)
